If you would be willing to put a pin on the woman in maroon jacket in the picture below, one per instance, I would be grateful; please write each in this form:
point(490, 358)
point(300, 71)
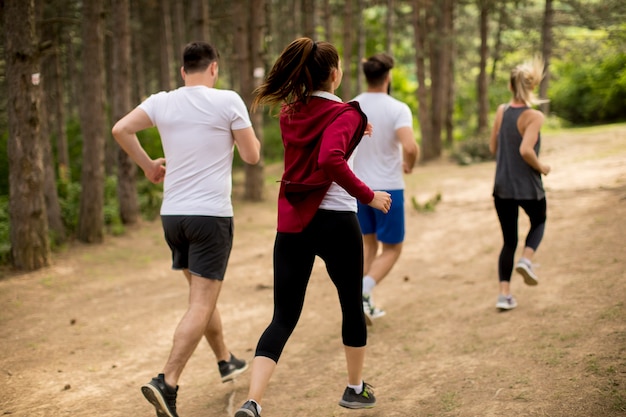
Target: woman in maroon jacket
point(316, 210)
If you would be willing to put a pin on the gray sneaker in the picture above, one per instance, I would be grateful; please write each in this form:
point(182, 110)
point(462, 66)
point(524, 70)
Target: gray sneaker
point(506, 302)
point(161, 396)
point(231, 368)
point(525, 269)
point(248, 409)
point(351, 399)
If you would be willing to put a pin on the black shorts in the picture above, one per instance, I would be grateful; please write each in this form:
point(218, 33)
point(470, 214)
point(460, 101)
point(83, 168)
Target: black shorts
point(201, 244)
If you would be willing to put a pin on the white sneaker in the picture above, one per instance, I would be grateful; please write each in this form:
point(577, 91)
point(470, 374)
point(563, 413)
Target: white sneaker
point(506, 302)
point(526, 270)
point(370, 310)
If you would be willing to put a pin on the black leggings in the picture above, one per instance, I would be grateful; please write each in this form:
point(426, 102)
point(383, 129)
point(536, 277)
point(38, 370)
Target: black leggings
point(336, 238)
point(508, 212)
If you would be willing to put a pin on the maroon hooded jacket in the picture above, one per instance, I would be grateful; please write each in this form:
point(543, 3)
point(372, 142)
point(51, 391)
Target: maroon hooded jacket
point(318, 137)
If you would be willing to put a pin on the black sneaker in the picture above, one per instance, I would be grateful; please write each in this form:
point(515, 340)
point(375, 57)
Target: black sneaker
point(161, 396)
point(231, 368)
point(248, 409)
point(353, 400)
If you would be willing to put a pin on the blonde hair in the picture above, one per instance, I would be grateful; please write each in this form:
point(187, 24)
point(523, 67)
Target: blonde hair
point(525, 78)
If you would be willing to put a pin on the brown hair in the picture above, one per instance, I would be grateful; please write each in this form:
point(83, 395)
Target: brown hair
point(303, 67)
point(525, 78)
point(197, 56)
point(376, 69)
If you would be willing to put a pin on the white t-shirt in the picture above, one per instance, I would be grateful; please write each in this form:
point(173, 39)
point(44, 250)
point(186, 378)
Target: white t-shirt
point(337, 199)
point(195, 124)
point(378, 162)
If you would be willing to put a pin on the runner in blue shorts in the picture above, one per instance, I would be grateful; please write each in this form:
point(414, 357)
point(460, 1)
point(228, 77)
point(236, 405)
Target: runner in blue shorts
point(380, 161)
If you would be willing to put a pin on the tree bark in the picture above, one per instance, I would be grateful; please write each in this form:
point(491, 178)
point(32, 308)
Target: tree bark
point(91, 215)
point(436, 44)
point(167, 73)
point(139, 88)
point(254, 173)
point(30, 248)
point(120, 105)
point(50, 78)
point(389, 26)
point(448, 70)
point(481, 82)
point(307, 16)
point(200, 21)
point(424, 116)
point(361, 44)
point(347, 91)
point(546, 48)
point(328, 19)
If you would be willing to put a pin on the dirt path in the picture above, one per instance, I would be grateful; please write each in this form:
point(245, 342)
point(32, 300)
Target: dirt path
point(80, 337)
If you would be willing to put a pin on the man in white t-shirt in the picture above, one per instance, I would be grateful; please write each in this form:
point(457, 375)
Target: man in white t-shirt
point(199, 127)
point(380, 161)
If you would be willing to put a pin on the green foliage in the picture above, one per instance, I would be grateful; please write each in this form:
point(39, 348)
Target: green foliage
point(69, 200)
point(590, 92)
point(472, 150)
point(75, 148)
point(427, 206)
point(151, 142)
point(150, 198)
point(112, 219)
point(272, 140)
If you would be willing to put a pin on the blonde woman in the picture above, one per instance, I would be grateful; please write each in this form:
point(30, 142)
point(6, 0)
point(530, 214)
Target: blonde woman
point(515, 140)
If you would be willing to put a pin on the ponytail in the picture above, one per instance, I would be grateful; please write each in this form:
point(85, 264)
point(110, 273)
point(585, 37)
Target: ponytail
point(303, 67)
point(525, 78)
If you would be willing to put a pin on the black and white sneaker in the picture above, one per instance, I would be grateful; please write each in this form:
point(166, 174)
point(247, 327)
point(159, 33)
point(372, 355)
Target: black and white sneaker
point(161, 396)
point(231, 368)
point(248, 409)
point(351, 399)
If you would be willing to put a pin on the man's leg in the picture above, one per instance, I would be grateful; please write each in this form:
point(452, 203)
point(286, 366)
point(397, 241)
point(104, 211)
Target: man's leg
point(383, 263)
point(370, 250)
point(214, 332)
point(203, 294)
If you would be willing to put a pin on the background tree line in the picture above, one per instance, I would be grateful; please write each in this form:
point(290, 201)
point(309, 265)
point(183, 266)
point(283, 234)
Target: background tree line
point(71, 68)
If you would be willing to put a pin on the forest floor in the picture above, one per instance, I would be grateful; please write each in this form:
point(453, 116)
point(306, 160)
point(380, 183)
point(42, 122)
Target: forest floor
point(80, 337)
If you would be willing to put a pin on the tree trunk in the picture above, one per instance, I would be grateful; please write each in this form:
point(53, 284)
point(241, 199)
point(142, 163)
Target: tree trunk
point(139, 90)
point(436, 44)
point(361, 44)
point(389, 26)
point(254, 173)
point(167, 73)
point(483, 100)
point(447, 66)
point(307, 16)
point(48, 86)
point(419, 31)
point(200, 21)
point(497, 49)
point(30, 248)
point(91, 216)
point(120, 105)
point(347, 91)
point(546, 47)
point(328, 18)
point(179, 38)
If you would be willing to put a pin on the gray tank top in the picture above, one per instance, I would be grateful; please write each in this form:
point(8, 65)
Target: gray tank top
point(515, 179)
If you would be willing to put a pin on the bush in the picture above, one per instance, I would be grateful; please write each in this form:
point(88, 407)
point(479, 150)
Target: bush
point(471, 150)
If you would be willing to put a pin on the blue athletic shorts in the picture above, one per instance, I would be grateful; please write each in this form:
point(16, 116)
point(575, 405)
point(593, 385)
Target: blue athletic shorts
point(201, 244)
point(389, 228)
